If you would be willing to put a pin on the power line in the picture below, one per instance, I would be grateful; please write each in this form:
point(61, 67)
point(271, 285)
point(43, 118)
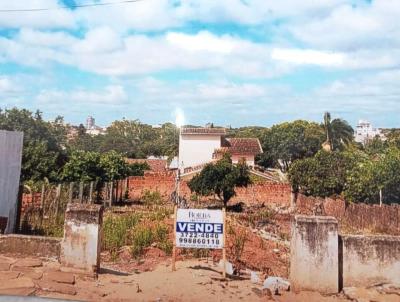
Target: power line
point(67, 7)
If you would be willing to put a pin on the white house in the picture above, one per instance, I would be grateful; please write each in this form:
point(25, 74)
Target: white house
point(199, 146)
point(365, 132)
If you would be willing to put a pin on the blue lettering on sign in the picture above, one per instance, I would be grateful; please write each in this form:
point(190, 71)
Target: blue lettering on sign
point(199, 227)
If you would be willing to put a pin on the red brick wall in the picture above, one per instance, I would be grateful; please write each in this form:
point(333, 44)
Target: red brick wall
point(268, 193)
point(355, 217)
point(30, 201)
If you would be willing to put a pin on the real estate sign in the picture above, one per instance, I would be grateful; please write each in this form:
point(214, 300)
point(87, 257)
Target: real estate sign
point(199, 228)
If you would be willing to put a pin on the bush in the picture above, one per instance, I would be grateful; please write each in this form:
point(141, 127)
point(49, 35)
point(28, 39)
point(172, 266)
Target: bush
point(142, 237)
point(152, 198)
point(116, 230)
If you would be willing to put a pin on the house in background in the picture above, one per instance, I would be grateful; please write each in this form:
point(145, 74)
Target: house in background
point(365, 132)
point(199, 146)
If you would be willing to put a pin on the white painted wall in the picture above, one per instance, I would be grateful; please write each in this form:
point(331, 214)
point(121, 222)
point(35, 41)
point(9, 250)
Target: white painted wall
point(10, 170)
point(196, 149)
point(249, 159)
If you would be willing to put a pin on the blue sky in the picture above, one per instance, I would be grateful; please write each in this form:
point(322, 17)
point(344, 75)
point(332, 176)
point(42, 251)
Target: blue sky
point(231, 62)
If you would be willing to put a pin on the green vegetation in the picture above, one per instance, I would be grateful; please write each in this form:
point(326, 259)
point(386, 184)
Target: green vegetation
point(353, 174)
point(49, 154)
point(356, 172)
point(152, 198)
point(137, 230)
point(220, 179)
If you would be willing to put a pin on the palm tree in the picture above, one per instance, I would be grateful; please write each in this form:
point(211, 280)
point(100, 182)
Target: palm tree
point(338, 132)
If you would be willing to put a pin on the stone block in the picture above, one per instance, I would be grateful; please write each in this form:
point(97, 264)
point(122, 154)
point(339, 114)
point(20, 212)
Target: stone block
point(28, 263)
point(5, 266)
point(8, 275)
point(80, 247)
point(21, 292)
point(61, 288)
point(314, 254)
point(60, 277)
point(22, 282)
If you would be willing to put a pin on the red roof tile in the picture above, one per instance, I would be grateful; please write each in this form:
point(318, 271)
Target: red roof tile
point(156, 165)
point(241, 146)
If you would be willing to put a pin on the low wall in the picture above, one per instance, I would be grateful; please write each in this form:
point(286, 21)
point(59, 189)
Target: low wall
point(370, 259)
point(355, 217)
point(30, 245)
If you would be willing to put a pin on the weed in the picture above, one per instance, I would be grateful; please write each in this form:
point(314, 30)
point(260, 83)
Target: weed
point(150, 198)
point(142, 237)
point(116, 230)
point(166, 246)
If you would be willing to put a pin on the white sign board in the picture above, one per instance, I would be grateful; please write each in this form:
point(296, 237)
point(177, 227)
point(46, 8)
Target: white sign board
point(199, 228)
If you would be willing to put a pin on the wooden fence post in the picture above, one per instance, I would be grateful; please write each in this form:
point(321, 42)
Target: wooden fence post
point(71, 192)
point(58, 197)
point(91, 192)
point(81, 192)
point(174, 242)
point(224, 238)
point(42, 197)
point(111, 193)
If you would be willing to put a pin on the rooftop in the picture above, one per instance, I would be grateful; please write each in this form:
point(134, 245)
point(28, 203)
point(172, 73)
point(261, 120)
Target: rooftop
point(241, 146)
point(217, 131)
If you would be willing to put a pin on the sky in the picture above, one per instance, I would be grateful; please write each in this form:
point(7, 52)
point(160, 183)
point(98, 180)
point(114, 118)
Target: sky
point(230, 62)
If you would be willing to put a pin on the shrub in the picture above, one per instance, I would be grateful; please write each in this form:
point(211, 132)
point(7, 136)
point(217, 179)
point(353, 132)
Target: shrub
point(116, 230)
point(152, 198)
point(142, 237)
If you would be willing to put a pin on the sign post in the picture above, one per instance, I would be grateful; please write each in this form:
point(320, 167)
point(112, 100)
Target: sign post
point(223, 249)
point(174, 243)
point(199, 228)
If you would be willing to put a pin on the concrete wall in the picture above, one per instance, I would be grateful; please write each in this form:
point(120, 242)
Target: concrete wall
point(196, 149)
point(30, 245)
point(370, 259)
point(314, 254)
point(10, 170)
point(80, 248)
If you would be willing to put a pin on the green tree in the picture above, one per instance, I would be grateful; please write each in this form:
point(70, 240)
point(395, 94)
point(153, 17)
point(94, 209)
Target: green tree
point(83, 166)
point(42, 155)
point(287, 142)
point(373, 175)
point(338, 132)
point(114, 166)
point(220, 179)
point(322, 175)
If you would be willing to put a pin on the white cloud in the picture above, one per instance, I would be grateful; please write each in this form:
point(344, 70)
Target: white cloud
point(351, 28)
point(202, 41)
point(57, 18)
point(111, 95)
point(307, 56)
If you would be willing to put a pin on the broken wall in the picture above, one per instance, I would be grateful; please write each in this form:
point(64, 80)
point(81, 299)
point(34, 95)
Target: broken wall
point(10, 169)
point(368, 260)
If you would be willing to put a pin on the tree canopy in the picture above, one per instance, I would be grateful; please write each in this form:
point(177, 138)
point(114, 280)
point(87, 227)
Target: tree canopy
point(220, 179)
point(286, 142)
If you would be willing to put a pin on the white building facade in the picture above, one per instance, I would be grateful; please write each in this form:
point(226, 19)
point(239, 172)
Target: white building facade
point(365, 132)
point(199, 146)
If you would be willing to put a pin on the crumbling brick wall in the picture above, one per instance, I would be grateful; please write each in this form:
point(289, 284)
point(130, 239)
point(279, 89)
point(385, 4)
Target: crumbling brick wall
point(268, 193)
point(354, 217)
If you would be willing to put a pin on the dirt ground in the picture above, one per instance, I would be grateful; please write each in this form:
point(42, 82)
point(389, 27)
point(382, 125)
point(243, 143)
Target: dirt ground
point(194, 280)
